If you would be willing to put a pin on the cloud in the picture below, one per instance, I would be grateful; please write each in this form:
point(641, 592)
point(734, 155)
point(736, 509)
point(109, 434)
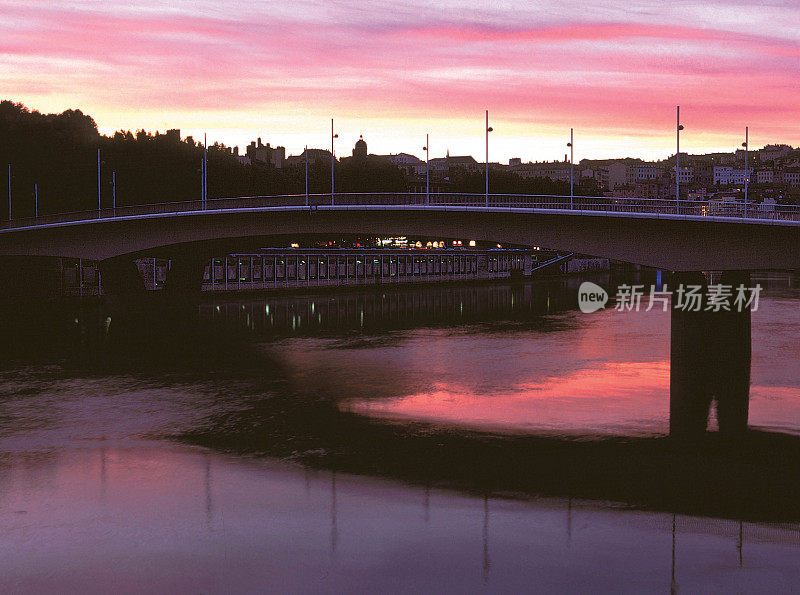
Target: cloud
point(611, 71)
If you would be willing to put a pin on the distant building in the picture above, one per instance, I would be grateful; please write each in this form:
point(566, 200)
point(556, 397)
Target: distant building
point(556, 170)
point(791, 177)
point(258, 153)
point(445, 166)
point(360, 150)
point(647, 172)
point(618, 175)
point(773, 152)
point(463, 162)
point(685, 174)
point(725, 175)
point(764, 176)
point(243, 159)
point(409, 164)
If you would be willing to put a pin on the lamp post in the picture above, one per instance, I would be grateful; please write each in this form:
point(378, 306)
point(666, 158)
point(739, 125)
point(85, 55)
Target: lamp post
point(333, 136)
point(746, 145)
point(426, 148)
point(678, 163)
point(488, 130)
point(202, 184)
point(98, 181)
point(571, 168)
point(205, 170)
point(114, 191)
point(306, 154)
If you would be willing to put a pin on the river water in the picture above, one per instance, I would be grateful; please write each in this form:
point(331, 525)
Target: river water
point(398, 439)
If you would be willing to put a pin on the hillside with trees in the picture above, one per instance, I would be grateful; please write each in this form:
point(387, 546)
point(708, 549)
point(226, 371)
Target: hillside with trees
point(58, 153)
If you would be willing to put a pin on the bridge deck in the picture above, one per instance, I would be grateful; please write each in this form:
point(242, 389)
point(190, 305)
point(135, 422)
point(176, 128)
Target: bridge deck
point(578, 205)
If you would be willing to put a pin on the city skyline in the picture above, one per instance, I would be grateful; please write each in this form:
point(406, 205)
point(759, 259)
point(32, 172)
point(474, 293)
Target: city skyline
point(398, 71)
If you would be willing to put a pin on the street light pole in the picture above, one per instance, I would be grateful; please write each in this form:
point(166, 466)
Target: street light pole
point(306, 153)
point(678, 163)
point(746, 145)
point(488, 130)
point(333, 136)
point(427, 173)
point(9, 192)
point(99, 205)
point(205, 169)
point(571, 168)
point(114, 190)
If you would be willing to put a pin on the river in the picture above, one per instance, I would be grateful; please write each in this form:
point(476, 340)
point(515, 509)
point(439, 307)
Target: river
point(411, 439)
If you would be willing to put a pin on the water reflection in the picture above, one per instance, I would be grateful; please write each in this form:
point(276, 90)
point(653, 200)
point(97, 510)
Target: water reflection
point(627, 398)
point(274, 526)
point(502, 411)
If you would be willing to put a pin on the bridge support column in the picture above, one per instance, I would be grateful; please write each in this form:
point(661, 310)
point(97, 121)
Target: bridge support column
point(185, 276)
point(690, 366)
point(733, 375)
point(121, 278)
point(709, 361)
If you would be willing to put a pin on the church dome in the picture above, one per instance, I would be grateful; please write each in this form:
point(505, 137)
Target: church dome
point(360, 150)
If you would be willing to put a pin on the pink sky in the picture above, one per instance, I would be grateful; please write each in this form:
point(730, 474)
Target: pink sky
point(394, 71)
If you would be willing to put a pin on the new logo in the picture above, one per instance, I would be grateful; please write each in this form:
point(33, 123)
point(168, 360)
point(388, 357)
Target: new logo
point(591, 297)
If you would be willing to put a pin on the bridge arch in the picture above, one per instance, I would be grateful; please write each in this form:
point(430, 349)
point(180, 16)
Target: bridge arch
point(670, 243)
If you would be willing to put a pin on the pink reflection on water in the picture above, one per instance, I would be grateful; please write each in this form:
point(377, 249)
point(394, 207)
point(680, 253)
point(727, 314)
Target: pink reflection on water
point(612, 398)
point(615, 398)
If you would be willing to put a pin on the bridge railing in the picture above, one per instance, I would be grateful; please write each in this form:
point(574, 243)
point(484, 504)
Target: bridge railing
point(709, 208)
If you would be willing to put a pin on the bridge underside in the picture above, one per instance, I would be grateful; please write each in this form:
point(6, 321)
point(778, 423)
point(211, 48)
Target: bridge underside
point(667, 243)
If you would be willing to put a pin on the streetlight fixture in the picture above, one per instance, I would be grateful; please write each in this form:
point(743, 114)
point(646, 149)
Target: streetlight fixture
point(488, 130)
point(333, 136)
point(678, 163)
point(427, 173)
point(571, 167)
point(746, 145)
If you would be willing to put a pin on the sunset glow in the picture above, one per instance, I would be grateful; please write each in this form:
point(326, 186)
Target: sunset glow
point(395, 71)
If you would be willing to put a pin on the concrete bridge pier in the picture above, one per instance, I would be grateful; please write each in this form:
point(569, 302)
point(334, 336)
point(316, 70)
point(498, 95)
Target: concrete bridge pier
point(691, 366)
point(709, 362)
point(130, 304)
point(124, 293)
point(178, 306)
point(185, 275)
point(733, 378)
point(121, 278)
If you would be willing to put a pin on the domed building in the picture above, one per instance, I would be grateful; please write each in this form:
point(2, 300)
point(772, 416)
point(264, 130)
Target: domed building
point(360, 150)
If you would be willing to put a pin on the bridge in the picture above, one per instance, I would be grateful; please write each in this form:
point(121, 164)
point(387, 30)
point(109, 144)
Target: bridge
point(710, 351)
point(686, 236)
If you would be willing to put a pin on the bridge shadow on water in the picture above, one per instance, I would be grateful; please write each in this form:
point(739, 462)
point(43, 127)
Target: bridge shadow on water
point(751, 477)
